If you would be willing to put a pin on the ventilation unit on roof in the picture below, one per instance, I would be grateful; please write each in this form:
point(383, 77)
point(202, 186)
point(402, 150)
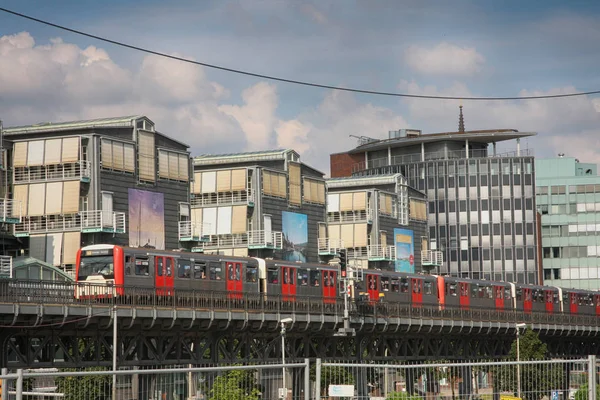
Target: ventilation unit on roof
point(404, 133)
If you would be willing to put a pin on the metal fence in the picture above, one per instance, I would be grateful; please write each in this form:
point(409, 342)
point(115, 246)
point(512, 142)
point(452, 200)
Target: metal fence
point(573, 379)
point(247, 382)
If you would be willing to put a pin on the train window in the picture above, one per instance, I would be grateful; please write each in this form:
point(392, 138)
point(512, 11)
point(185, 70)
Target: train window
point(328, 279)
point(170, 266)
point(303, 277)
point(141, 266)
point(234, 271)
point(555, 297)
point(385, 284)
point(416, 286)
point(184, 269)
point(395, 286)
point(200, 270)
point(507, 293)
point(488, 292)
point(159, 266)
point(251, 274)
point(273, 275)
point(315, 278)
point(474, 290)
point(527, 295)
point(498, 292)
point(427, 287)
point(519, 294)
point(129, 263)
point(452, 289)
point(215, 272)
point(404, 285)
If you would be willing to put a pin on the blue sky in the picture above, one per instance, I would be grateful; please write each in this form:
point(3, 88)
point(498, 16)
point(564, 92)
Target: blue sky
point(463, 48)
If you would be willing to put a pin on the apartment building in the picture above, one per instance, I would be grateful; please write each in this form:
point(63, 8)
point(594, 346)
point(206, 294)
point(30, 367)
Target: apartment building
point(263, 204)
point(112, 180)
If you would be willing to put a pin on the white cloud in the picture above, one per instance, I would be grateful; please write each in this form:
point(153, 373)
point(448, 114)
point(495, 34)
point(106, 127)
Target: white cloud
point(569, 125)
point(444, 59)
point(292, 135)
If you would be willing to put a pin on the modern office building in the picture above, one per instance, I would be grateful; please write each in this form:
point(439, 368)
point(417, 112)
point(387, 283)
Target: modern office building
point(114, 180)
point(379, 220)
point(262, 204)
point(481, 204)
point(568, 199)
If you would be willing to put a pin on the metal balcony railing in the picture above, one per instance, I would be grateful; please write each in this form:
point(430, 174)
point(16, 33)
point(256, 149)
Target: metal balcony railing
point(6, 269)
point(192, 231)
point(432, 257)
point(10, 211)
point(252, 240)
point(329, 246)
point(84, 221)
point(350, 216)
point(265, 240)
point(223, 198)
point(381, 252)
point(102, 221)
point(438, 155)
point(55, 172)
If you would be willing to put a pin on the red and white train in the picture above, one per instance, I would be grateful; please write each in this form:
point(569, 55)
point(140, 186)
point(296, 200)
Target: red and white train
point(163, 272)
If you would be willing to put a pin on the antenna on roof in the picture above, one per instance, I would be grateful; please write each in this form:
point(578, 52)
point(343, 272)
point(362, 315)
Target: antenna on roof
point(461, 120)
point(364, 139)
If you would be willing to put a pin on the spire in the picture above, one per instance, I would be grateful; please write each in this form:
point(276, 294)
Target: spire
point(461, 120)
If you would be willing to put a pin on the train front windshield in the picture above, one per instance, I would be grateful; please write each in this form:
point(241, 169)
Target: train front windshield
point(96, 265)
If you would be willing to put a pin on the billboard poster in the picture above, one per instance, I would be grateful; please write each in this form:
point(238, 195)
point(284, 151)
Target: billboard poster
point(405, 250)
point(146, 219)
point(295, 236)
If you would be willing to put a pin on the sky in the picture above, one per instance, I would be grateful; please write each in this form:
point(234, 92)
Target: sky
point(456, 48)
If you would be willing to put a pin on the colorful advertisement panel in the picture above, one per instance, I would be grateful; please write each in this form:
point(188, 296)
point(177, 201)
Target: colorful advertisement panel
point(295, 236)
point(405, 250)
point(146, 219)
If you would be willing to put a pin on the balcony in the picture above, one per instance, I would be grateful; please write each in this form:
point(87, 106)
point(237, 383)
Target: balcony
point(330, 247)
point(193, 232)
point(6, 270)
point(83, 221)
point(435, 156)
point(251, 240)
point(381, 253)
point(432, 258)
point(10, 211)
point(350, 216)
point(223, 199)
point(55, 172)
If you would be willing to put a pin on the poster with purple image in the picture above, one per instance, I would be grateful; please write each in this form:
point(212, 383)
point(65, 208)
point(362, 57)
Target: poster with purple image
point(146, 219)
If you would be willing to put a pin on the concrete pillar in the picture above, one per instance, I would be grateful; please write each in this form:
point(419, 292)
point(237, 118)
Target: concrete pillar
point(518, 147)
point(389, 155)
point(422, 151)
point(494, 148)
point(467, 148)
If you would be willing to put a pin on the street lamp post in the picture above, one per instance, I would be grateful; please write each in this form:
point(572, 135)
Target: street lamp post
point(283, 322)
point(518, 329)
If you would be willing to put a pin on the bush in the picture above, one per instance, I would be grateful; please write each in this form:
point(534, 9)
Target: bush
point(402, 396)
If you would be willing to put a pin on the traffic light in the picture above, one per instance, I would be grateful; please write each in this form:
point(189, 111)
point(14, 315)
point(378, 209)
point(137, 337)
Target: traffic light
point(343, 260)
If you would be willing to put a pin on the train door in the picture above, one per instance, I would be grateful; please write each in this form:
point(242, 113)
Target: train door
point(163, 273)
point(499, 297)
point(573, 298)
point(416, 286)
point(329, 285)
point(527, 300)
point(234, 280)
point(373, 287)
point(549, 299)
point(288, 287)
point(464, 298)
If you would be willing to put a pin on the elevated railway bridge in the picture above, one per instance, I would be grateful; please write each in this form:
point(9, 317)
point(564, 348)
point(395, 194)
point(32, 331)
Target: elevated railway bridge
point(42, 324)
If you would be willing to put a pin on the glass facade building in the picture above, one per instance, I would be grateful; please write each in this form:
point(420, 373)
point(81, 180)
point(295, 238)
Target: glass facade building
point(481, 204)
point(568, 199)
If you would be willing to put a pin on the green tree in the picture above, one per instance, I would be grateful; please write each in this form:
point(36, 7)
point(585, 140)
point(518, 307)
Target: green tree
point(402, 396)
point(583, 392)
point(537, 380)
point(235, 385)
point(84, 387)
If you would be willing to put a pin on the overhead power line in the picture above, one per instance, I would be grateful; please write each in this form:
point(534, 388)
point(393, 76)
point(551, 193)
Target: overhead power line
point(292, 81)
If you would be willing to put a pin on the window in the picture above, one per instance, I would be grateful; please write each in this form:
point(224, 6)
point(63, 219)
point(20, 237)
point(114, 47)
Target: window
point(200, 270)
point(142, 267)
point(474, 230)
point(506, 204)
point(315, 278)
point(427, 287)
point(485, 229)
point(385, 284)
point(485, 205)
point(184, 269)
point(303, 277)
point(496, 229)
point(215, 272)
point(508, 253)
point(462, 205)
point(473, 205)
point(496, 204)
point(403, 285)
point(251, 274)
point(451, 206)
point(507, 228)
point(273, 276)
